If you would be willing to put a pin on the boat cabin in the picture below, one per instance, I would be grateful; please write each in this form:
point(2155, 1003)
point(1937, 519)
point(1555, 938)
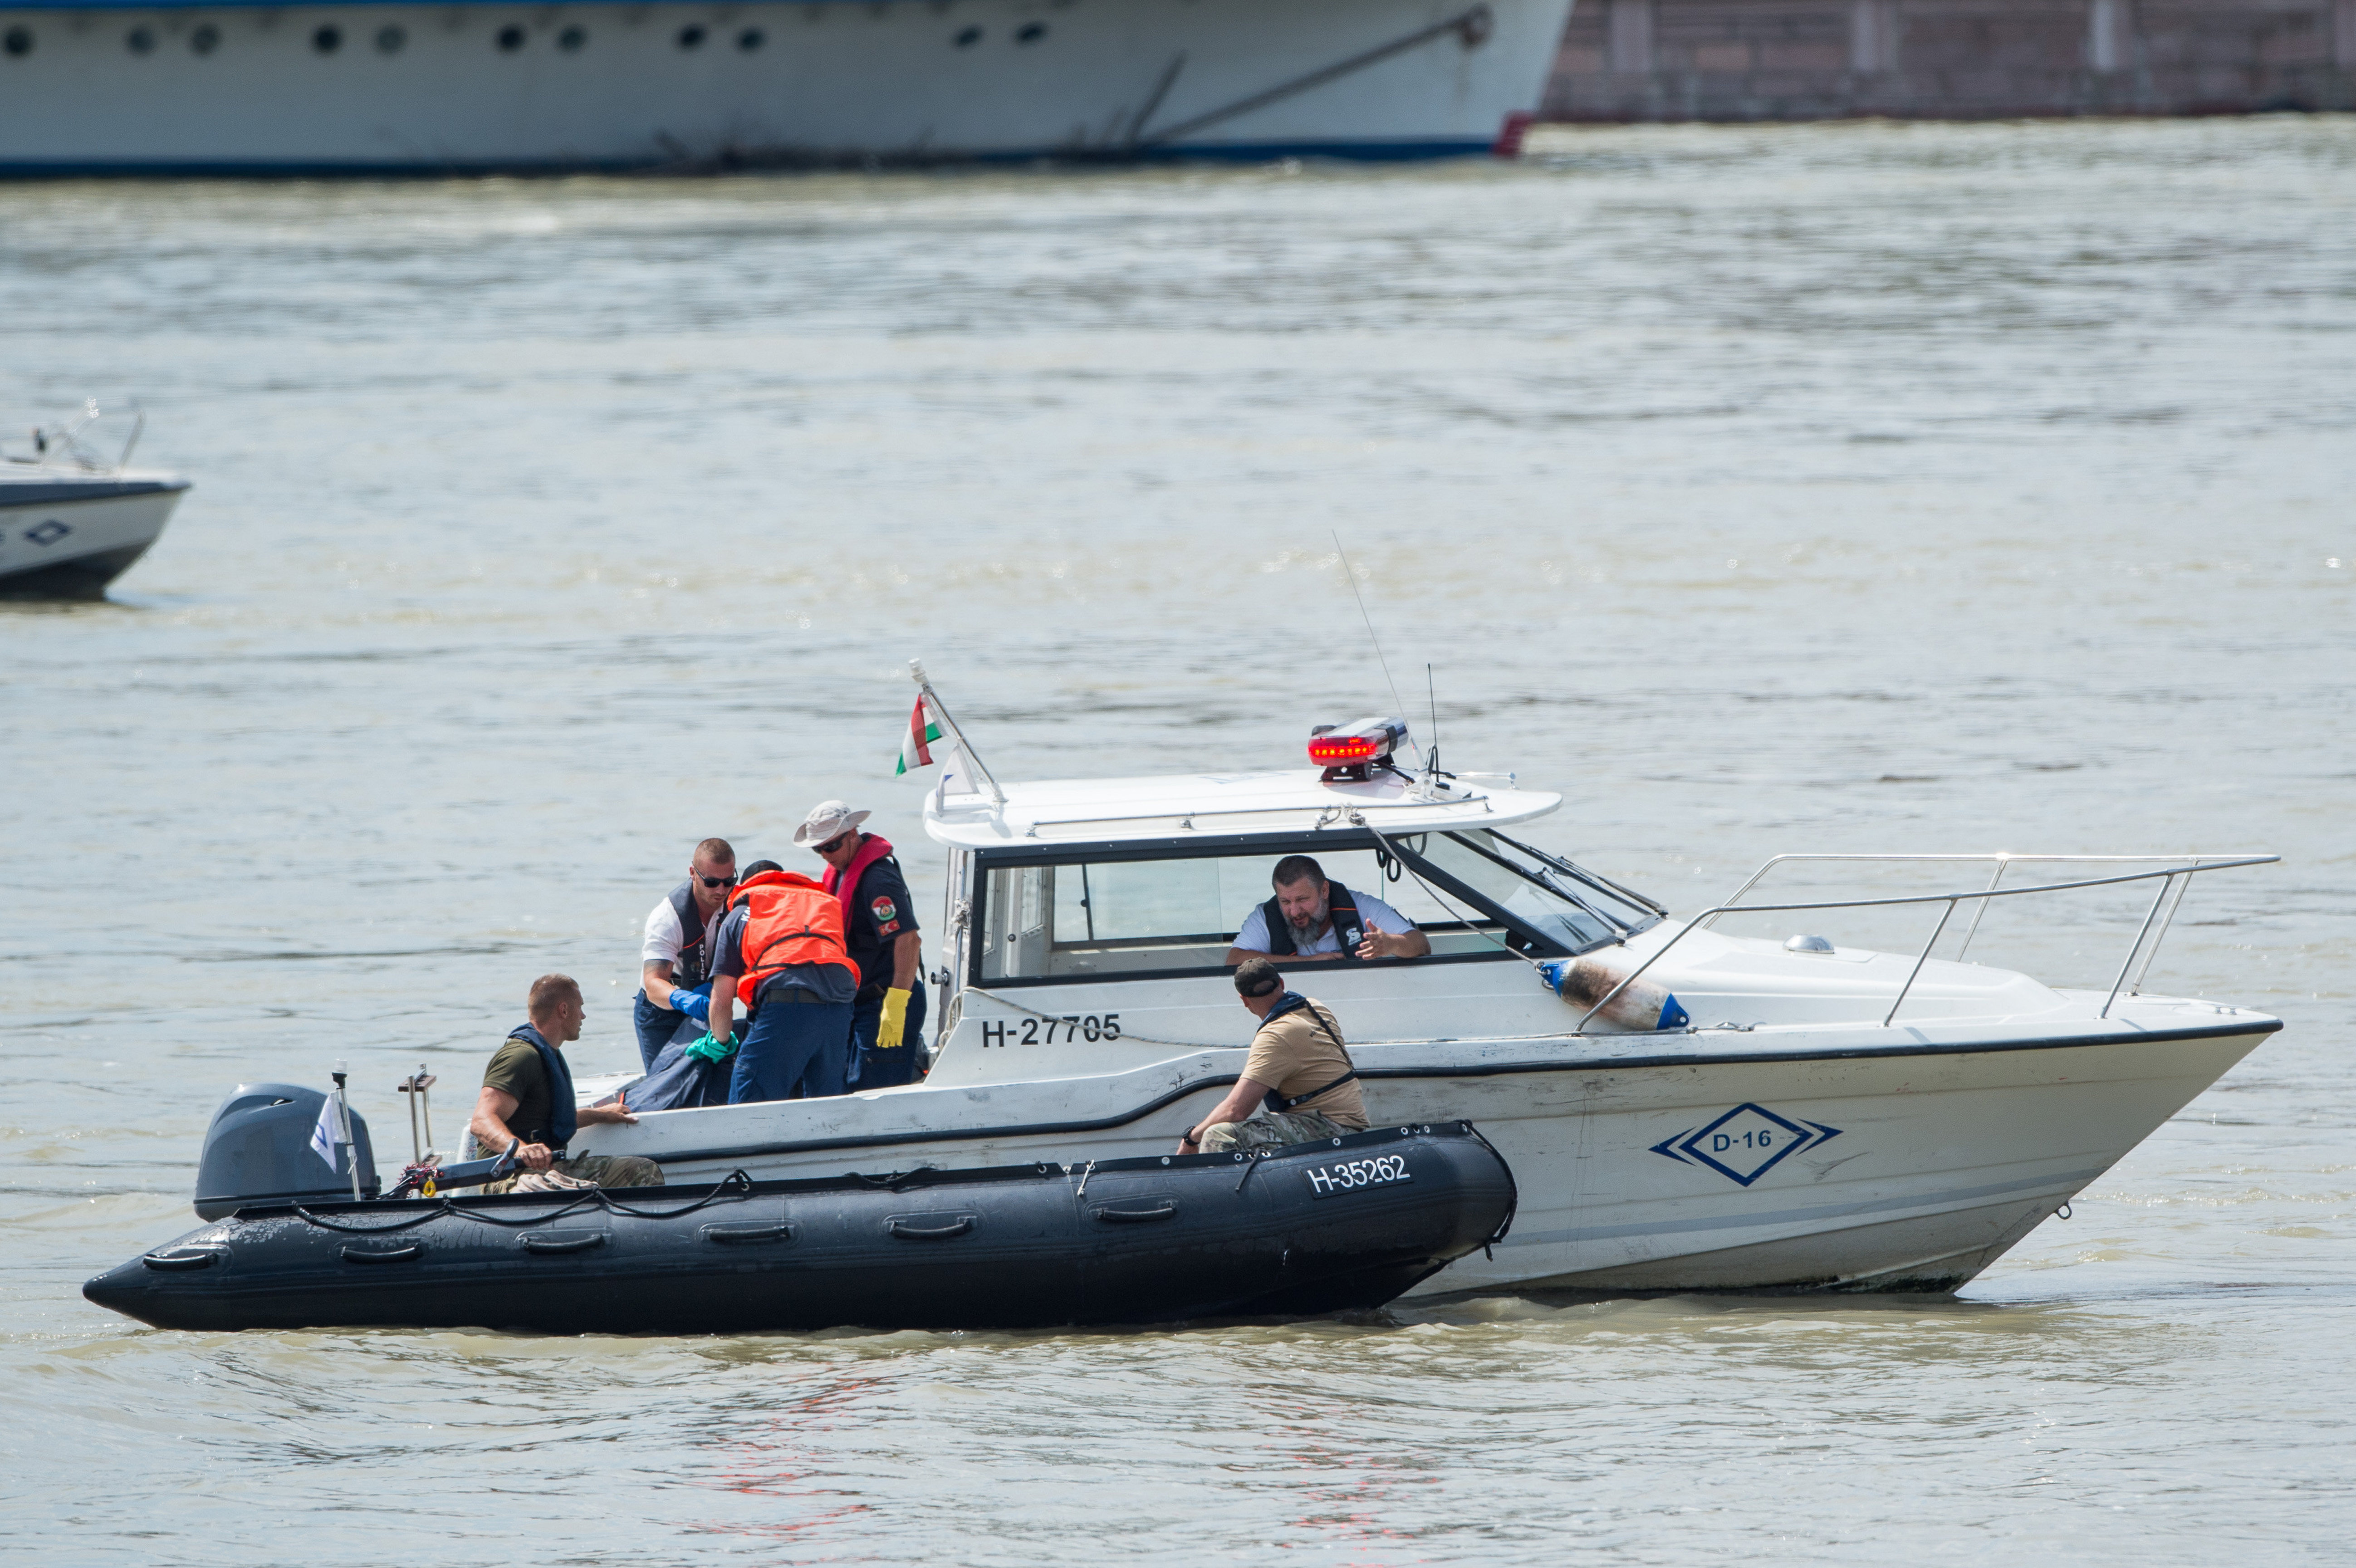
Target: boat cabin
point(1064, 887)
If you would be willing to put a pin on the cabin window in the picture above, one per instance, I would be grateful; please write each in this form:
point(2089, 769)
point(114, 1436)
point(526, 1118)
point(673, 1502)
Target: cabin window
point(1100, 918)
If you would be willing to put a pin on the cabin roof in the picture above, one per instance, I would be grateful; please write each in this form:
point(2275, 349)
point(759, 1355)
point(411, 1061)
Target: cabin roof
point(1295, 801)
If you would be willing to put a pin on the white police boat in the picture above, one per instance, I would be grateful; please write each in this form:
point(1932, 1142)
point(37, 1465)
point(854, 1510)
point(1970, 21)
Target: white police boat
point(71, 520)
point(1682, 1108)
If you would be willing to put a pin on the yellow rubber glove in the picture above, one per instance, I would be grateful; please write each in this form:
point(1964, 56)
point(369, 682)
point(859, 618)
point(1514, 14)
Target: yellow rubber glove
point(893, 1023)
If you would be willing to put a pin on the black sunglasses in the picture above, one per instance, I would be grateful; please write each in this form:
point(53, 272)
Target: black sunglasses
point(727, 881)
point(831, 846)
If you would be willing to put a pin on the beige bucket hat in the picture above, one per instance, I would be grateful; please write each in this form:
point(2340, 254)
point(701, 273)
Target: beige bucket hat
point(827, 819)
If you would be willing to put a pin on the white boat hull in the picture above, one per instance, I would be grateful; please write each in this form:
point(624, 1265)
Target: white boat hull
point(1878, 1159)
point(201, 87)
point(1939, 1164)
point(74, 547)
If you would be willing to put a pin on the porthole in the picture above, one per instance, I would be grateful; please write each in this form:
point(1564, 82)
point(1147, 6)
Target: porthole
point(140, 40)
point(691, 36)
point(1030, 32)
point(510, 38)
point(328, 40)
point(204, 40)
point(18, 42)
point(572, 38)
point(967, 38)
point(751, 39)
point(390, 40)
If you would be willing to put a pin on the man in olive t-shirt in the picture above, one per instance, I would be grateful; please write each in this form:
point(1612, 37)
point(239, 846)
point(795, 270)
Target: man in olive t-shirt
point(519, 1103)
point(1298, 1083)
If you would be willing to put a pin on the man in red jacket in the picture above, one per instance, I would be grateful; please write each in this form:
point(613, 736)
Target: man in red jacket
point(780, 953)
point(879, 923)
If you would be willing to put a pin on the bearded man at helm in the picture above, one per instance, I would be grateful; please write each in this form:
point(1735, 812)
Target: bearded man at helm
point(1311, 920)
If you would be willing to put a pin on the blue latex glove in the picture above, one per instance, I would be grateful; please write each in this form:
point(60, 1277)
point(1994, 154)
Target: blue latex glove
point(696, 1004)
point(710, 1050)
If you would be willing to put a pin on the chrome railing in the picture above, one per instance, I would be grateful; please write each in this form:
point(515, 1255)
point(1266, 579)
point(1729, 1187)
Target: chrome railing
point(60, 445)
point(2173, 881)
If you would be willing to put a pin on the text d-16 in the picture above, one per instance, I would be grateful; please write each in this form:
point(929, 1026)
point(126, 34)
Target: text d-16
point(1045, 1031)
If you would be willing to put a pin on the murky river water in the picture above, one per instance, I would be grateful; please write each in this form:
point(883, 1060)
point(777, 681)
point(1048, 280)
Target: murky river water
point(1859, 488)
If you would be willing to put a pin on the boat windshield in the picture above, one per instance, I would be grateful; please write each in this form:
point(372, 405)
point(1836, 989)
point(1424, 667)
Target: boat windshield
point(1106, 913)
point(1560, 900)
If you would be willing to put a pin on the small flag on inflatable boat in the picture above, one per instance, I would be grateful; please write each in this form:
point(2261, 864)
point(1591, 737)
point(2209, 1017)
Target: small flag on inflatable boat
point(327, 1134)
point(915, 746)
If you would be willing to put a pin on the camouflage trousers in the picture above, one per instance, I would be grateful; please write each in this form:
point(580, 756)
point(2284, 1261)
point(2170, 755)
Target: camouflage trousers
point(1271, 1130)
point(586, 1170)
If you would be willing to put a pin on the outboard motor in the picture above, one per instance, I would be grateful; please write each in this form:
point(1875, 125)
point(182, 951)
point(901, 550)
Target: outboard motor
point(259, 1150)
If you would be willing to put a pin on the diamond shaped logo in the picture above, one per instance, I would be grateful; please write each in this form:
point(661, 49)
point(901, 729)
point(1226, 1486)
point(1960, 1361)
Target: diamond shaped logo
point(1745, 1144)
point(47, 534)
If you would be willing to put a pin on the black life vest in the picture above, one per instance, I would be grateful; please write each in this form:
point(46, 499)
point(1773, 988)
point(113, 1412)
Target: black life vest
point(693, 965)
point(561, 1112)
point(1341, 909)
point(1291, 1002)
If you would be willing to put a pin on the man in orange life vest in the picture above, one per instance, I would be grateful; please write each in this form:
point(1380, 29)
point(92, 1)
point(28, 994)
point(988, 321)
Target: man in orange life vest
point(780, 953)
point(879, 922)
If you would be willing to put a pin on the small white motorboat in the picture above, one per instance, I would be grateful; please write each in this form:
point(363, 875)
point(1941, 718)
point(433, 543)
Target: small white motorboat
point(1682, 1108)
point(72, 521)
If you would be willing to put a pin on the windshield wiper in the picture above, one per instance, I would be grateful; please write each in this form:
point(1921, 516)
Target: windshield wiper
point(1540, 879)
point(1545, 879)
point(1595, 880)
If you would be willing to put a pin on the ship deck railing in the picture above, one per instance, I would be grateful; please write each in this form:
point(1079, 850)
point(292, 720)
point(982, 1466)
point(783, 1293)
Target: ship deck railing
point(2174, 879)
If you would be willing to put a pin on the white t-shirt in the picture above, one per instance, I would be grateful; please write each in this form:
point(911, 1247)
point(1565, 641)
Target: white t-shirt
point(664, 938)
point(1372, 912)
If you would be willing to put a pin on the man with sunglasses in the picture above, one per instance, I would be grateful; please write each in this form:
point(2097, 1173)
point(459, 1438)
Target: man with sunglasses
point(675, 964)
point(879, 920)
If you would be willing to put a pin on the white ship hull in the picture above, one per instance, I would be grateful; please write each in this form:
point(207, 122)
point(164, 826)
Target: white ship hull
point(71, 537)
point(1856, 1158)
point(356, 88)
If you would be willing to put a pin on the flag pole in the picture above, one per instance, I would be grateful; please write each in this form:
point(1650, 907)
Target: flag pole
point(932, 699)
point(344, 1127)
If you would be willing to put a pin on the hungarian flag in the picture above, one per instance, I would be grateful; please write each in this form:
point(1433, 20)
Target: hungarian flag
point(915, 746)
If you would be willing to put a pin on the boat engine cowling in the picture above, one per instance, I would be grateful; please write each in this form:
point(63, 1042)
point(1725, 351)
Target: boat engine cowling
point(258, 1150)
point(1643, 1006)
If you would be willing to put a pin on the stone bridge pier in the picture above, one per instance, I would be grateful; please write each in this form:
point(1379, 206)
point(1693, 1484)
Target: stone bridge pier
point(1812, 60)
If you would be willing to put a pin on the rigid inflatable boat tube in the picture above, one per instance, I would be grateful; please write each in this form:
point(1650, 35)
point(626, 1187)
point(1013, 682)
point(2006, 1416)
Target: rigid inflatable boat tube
point(1343, 1223)
point(1643, 1006)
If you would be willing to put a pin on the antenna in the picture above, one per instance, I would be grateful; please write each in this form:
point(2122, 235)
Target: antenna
point(1353, 576)
point(1431, 752)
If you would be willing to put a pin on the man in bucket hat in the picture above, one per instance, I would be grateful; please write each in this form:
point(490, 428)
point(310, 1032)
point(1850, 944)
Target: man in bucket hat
point(879, 920)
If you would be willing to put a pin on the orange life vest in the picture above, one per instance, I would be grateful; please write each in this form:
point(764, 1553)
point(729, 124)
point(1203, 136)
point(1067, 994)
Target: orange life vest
point(790, 920)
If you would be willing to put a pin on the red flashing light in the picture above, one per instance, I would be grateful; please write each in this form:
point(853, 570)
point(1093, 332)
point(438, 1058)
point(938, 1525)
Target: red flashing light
point(1351, 752)
point(1343, 750)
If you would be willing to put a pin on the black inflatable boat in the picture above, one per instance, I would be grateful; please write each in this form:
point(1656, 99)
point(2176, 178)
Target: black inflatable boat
point(1354, 1223)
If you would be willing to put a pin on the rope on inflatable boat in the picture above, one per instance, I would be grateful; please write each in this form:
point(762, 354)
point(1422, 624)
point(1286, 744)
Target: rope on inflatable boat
point(735, 1184)
point(1512, 1188)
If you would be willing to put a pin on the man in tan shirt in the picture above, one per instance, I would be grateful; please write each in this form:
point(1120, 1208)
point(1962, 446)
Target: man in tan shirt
point(1298, 1082)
